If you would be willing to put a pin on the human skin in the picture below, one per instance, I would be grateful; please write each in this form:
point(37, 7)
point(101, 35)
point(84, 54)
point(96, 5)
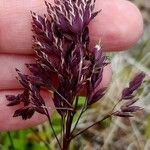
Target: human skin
point(119, 26)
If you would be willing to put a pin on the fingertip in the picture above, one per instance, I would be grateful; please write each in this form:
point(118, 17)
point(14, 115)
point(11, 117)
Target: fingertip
point(119, 25)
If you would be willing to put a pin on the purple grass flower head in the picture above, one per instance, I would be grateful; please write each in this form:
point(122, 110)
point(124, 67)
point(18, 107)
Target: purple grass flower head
point(72, 16)
point(61, 44)
point(99, 61)
point(128, 107)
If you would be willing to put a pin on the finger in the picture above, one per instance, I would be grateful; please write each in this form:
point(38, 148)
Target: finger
point(119, 26)
point(8, 123)
point(8, 74)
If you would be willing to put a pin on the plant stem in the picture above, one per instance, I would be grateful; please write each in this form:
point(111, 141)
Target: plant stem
point(11, 140)
point(69, 120)
point(66, 143)
point(66, 138)
point(62, 128)
point(50, 123)
point(81, 113)
point(104, 118)
point(116, 105)
point(68, 134)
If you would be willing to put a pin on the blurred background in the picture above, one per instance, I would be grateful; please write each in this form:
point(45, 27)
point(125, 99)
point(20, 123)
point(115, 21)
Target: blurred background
point(114, 134)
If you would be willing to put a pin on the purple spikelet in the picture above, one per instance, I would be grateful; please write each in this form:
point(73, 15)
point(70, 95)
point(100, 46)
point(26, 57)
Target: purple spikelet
point(127, 93)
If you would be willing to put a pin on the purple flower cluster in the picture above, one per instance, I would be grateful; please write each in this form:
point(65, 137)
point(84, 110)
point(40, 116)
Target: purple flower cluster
point(128, 96)
point(61, 44)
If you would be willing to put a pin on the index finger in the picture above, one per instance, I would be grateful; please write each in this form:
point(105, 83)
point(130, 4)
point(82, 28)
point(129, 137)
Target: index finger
point(119, 26)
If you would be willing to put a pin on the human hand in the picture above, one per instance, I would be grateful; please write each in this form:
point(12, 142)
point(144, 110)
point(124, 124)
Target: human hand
point(119, 26)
